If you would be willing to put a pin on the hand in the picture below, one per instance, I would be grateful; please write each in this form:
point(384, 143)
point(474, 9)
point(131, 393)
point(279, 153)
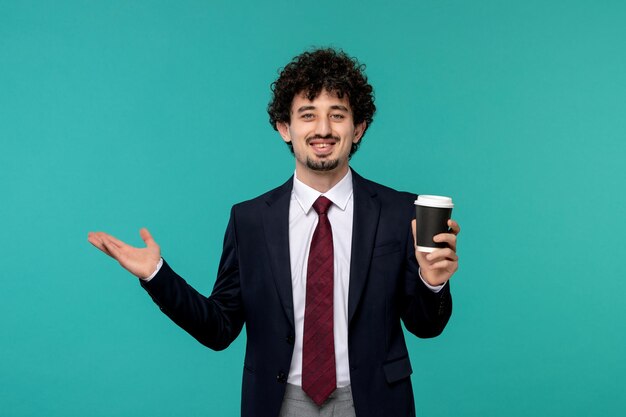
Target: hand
point(438, 266)
point(140, 262)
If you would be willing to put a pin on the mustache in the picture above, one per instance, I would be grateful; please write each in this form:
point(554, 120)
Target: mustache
point(329, 136)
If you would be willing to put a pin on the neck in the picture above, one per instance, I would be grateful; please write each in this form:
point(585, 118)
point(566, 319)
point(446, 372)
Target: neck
point(321, 181)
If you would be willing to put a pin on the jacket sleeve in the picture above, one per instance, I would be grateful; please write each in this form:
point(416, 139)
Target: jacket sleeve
point(425, 313)
point(215, 321)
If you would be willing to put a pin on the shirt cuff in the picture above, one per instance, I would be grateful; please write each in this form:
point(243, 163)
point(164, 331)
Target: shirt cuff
point(433, 288)
point(158, 268)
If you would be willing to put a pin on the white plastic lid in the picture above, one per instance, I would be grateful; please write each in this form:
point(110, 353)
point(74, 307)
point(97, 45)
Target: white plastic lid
point(434, 201)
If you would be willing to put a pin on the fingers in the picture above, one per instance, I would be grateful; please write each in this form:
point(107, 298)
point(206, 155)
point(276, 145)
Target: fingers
point(445, 264)
point(96, 240)
point(448, 238)
point(441, 260)
point(112, 248)
point(438, 266)
point(112, 240)
point(454, 227)
point(106, 243)
point(438, 254)
point(147, 237)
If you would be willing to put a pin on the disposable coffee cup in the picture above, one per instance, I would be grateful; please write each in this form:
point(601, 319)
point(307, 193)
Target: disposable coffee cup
point(432, 213)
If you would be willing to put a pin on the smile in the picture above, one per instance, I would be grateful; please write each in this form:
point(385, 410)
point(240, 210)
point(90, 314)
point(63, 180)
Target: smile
point(322, 147)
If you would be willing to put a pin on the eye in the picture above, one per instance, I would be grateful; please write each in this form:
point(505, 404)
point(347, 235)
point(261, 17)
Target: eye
point(337, 116)
point(307, 116)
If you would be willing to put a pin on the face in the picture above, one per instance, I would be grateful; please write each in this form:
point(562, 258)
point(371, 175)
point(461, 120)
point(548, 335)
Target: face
point(322, 132)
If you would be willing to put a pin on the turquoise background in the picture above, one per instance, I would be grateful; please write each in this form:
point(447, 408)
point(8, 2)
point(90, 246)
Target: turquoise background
point(121, 114)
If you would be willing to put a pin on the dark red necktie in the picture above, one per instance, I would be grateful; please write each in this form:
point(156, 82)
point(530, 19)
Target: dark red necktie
point(319, 379)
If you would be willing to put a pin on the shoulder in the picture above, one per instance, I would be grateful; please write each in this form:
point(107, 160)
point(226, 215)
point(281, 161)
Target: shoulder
point(266, 199)
point(382, 192)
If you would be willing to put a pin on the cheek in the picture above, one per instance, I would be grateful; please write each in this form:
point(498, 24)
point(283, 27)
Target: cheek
point(348, 133)
point(298, 147)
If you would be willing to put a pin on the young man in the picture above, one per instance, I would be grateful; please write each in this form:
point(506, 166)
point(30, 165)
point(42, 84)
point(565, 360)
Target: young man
point(322, 270)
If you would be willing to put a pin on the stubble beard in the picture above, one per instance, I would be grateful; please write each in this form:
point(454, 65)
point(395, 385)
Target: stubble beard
point(322, 166)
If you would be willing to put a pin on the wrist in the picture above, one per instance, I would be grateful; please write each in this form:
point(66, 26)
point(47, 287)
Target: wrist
point(154, 272)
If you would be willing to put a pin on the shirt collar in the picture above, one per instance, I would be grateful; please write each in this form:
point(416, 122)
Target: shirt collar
point(340, 194)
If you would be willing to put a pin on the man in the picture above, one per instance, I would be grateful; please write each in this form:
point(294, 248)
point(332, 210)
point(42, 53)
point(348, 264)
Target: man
point(321, 270)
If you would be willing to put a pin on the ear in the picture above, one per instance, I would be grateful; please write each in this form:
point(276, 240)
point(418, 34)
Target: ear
point(283, 129)
point(359, 130)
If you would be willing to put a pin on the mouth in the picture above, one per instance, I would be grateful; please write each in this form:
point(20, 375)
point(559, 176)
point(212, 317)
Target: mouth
point(322, 147)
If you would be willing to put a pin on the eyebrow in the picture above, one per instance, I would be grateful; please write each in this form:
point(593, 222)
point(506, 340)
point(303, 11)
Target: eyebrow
point(333, 107)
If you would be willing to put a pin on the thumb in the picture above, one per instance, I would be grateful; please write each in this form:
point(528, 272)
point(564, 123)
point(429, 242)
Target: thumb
point(413, 226)
point(147, 237)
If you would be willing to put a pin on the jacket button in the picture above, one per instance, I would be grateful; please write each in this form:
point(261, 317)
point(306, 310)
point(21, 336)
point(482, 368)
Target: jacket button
point(291, 339)
point(281, 377)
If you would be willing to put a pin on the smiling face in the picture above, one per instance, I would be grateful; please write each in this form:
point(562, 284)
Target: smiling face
point(322, 132)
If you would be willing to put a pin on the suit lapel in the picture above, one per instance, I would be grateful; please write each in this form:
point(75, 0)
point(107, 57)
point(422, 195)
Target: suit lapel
point(276, 228)
point(365, 224)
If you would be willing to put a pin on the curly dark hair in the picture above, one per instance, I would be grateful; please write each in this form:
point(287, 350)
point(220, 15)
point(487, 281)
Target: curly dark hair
point(323, 69)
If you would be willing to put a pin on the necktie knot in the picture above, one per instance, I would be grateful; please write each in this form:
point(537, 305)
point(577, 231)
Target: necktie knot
point(321, 205)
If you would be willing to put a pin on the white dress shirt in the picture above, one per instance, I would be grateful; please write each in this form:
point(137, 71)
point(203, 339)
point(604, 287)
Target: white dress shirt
point(302, 222)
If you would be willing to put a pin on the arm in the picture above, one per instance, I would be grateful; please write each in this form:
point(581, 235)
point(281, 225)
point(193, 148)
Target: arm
point(214, 321)
point(425, 313)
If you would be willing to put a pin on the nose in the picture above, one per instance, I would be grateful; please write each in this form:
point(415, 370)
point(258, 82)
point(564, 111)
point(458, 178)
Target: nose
point(322, 127)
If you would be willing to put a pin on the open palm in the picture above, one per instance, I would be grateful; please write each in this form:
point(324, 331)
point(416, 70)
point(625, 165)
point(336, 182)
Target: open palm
point(140, 262)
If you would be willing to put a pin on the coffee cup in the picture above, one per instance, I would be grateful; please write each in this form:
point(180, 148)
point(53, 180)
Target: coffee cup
point(432, 213)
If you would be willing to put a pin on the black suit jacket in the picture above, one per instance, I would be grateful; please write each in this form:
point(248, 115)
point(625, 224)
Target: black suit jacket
point(253, 286)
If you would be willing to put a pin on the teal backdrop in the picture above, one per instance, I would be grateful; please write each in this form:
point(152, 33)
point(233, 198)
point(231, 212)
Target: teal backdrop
point(116, 115)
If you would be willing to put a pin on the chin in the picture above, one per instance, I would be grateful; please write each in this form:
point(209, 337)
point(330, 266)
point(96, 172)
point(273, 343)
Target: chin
point(322, 165)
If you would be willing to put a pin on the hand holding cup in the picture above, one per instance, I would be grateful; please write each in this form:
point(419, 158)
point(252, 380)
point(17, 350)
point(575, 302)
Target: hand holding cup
point(435, 238)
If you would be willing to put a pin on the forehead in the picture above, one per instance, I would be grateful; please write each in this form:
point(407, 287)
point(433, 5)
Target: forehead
point(323, 100)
